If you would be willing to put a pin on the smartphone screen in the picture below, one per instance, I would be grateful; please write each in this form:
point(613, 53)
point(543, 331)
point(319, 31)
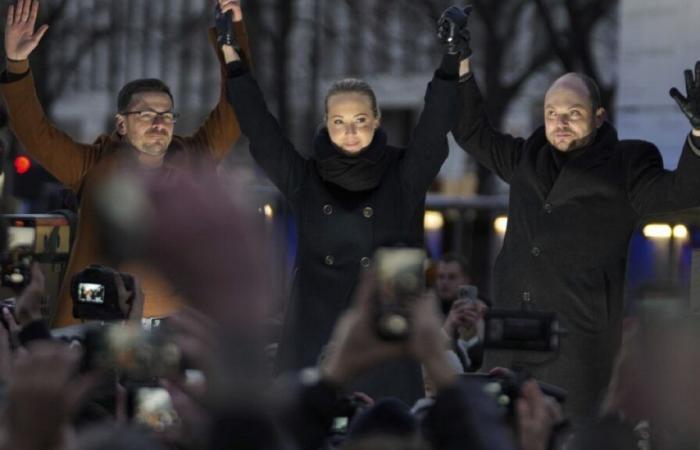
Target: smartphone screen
point(91, 293)
point(468, 292)
point(400, 273)
point(400, 280)
point(20, 236)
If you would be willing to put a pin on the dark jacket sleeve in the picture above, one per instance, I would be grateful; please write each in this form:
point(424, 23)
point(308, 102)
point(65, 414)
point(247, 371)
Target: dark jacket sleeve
point(499, 152)
point(268, 145)
point(220, 130)
point(65, 158)
point(653, 189)
point(428, 148)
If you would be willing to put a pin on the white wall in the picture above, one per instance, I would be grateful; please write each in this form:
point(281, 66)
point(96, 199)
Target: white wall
point(658, 40)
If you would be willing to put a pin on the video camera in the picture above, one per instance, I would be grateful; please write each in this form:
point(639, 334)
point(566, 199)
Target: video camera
point(522, 330)
point(96, 296)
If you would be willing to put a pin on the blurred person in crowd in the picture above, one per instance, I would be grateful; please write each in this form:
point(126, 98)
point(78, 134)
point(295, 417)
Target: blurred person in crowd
point(142, 139)
point(462, 416)
point(225, 286)
point(451, 272)
point(653, 395)
point(43, 395)
point(354, 194)
point(464, 318)
point(577, 194)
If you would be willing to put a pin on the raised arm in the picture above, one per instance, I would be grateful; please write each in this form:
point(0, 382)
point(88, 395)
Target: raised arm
point(655, 190)
point(473, 132)
point(428, 148)
point(221, 129)
point(65, 158)
point(268, 145)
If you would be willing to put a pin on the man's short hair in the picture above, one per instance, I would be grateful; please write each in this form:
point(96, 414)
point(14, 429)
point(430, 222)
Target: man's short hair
point(451, 257)
point(593, 90)
point(138, 86)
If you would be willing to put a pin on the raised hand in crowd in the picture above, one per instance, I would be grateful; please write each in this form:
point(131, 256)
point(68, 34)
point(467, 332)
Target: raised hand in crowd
point(690, 104)
point(28, 304)
point(130, 302)
point(536, 417)
point(20, 37)
point(43, 394)
point(466, 314)
point(627, 395)
point(355, 346)
point(6, 355)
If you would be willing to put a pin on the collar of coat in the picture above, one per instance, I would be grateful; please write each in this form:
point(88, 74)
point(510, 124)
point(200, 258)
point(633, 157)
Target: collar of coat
point(606, 139)
point(355, 173)
point(590, 157)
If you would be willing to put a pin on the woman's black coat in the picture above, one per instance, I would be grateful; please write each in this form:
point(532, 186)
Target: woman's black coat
point(339, 230)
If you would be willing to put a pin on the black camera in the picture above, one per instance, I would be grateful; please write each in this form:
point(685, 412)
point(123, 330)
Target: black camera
point(522, 330)
point(17, 259)
point(130, 350)
point(400, 280)
point(95, 293)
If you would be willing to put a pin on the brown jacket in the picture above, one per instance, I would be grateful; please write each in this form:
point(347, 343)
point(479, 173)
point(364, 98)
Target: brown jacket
point(81, 166)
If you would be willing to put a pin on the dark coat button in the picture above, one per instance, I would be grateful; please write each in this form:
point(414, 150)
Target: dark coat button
point(329, 260)
point(548, 208)
point(365, 262)
point(327, 210)
point(536, 251)
point(368, 212)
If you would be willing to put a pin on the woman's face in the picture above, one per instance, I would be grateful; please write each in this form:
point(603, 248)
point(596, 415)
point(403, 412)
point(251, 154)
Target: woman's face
point(351, 121)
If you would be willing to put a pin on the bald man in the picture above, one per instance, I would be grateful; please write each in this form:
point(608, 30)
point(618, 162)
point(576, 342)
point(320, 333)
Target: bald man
point(577, 193)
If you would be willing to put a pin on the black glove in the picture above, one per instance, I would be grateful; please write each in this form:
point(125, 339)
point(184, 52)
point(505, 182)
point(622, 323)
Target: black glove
point(224, 29)
point(453, 31)
point(690, 105)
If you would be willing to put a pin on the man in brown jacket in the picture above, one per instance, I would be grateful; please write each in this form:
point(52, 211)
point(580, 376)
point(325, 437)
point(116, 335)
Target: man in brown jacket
point(143, 140)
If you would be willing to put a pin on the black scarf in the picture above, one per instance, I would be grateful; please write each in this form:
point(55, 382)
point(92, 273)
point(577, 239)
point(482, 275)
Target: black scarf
point(354, 173)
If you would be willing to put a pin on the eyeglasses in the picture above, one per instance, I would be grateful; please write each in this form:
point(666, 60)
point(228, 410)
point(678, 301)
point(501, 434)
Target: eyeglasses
point(150, 116)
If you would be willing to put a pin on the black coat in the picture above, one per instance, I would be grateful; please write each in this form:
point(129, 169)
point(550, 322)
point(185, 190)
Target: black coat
point(565, 248)
point(339, 230)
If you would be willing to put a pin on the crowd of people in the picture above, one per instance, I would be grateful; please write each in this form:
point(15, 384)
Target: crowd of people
point(185, 363)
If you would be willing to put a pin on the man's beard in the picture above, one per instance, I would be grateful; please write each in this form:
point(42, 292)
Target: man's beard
point(584, 141)
point(157, 148)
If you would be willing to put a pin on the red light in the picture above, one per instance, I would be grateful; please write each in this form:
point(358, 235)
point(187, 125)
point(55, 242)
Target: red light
point(22, 164)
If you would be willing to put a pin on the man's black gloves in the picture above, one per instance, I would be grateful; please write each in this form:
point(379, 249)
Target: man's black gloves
point(453, 31)
point(690, 105)
point(224, 29)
